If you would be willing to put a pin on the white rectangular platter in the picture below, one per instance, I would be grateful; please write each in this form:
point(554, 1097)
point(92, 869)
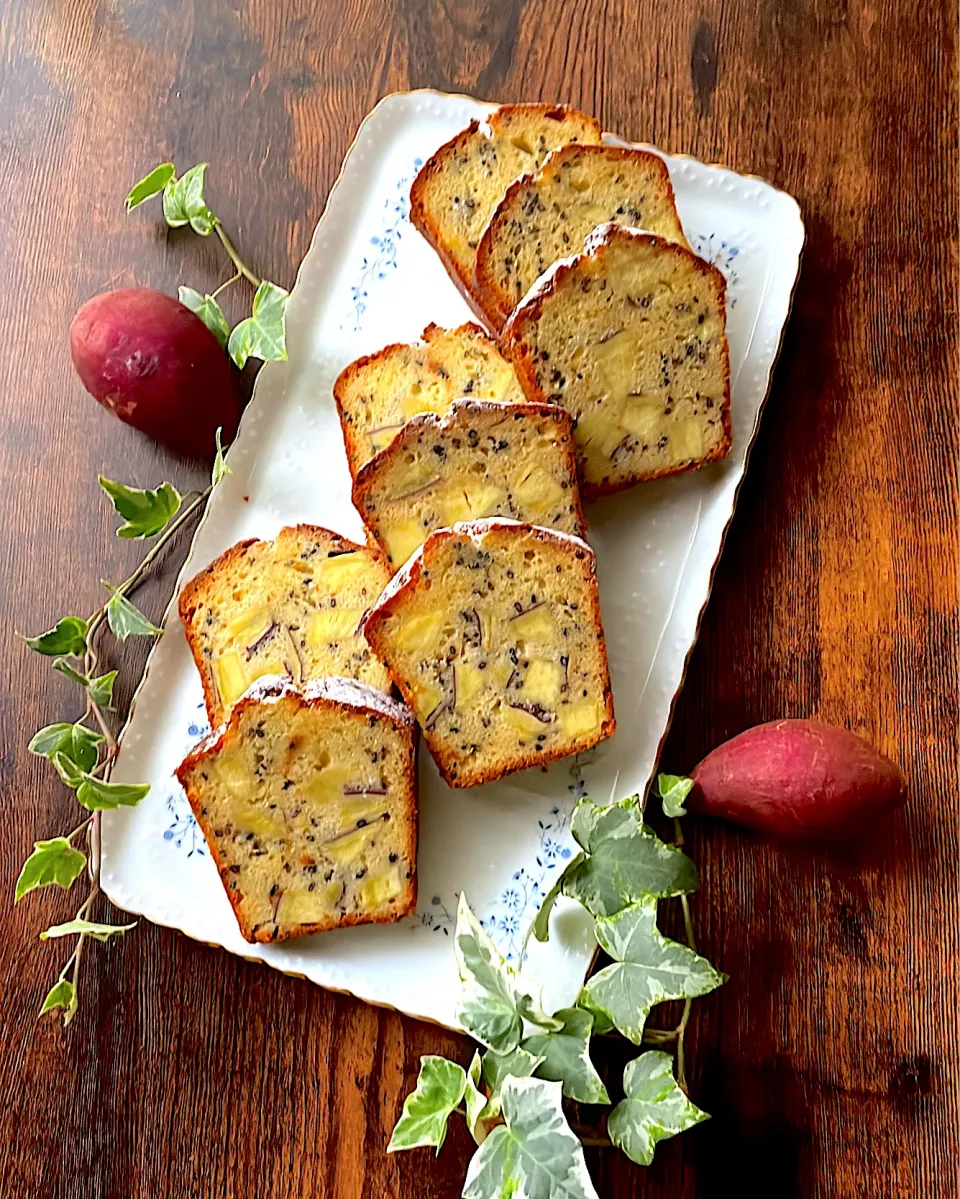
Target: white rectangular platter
point(370, 279)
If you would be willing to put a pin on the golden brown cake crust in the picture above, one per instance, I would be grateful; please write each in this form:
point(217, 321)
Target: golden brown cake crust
point(493, 304)
point(318, 694)
point(434, 166)
point(409, 577)
point(196, 590)
point(518, 348)
point(384, 461)
point(353, 433)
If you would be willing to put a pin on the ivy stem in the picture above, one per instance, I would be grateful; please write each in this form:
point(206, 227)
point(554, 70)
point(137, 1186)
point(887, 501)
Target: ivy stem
point(183, 516)
point(80, 828)
point(223, 286)
point(232, 254)
point(597, 1143)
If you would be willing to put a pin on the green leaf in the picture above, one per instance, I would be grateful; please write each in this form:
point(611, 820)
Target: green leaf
point(534, 1153)
point(541, 925)
point(68, 636)
point(498, 1067)
point(262, 334)
point(488, 1008)
point(145, 513)
point(566, 1057)
point(625, 859)
point(475, 1101)
point(53, 862)
point(209, 311)
point(601, 1019)
point(423, 1121)
point(648, 969)
point(96, 795)
point(673, 789)
point(184, 204)
point(69, 771)
point(74, 741)
point(149, 185)
point(529, 1008)
point(62, 994)
point(220, 467)
point(78, 926)
point(71, 672)
point(100, 689)
point(126, 619)
point(654, 1108)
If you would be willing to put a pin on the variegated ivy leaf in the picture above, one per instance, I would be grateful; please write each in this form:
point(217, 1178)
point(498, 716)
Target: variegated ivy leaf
point(648, 969)
point(601, 1019)
point(184, 204)
point(534, 1153)
point(86, 928)
point(673, 789)
point(475, 1101)
point(150, 185)
point(625, 860)
point(209, 311)
point(126, 620)
point(220, 467)
point(529, 1007)
point(498, 1067)
point(145, 512)
point(488, 1007)
point(96, 795)
point(62, 994)
point(541, 925)
point(100, 689)
point(52, 863)
point(654, 1108)
point(262, 334)
point(68, 636)
point(565, 1057)
point(74, 742)
point(423, 1121)
point(70, 773)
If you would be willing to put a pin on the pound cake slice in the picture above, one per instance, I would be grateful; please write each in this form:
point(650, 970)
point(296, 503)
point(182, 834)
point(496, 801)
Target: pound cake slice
point(478, 460)
point(378, 394)
point(492, 633)
point(548, 216)
point(630, 338)
point(307, 799)
point(290, 606)
point(458, 188)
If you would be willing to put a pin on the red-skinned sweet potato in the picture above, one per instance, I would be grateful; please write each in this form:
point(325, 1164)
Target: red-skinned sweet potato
point(152, 362)
point(798, 780)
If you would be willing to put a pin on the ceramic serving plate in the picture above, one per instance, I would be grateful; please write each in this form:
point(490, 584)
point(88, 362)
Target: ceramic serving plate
point(370, 279)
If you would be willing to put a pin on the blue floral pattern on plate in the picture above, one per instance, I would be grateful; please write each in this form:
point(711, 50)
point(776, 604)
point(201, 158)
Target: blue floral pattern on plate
point(723, 255)
point(383, 256)
point(183, 830)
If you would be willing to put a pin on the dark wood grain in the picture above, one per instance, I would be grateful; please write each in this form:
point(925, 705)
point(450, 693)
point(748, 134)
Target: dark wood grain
point(830, 1059)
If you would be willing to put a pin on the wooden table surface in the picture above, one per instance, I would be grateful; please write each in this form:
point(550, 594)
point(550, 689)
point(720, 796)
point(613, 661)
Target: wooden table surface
point(829, 1061)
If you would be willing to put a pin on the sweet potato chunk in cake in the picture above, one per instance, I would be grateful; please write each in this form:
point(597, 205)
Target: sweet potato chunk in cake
point(289, 606)
point(492, 633)
point(307, 799)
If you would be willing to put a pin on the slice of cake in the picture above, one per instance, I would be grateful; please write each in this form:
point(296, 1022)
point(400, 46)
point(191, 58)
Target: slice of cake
point(492, 633)
point(458, 188)
point(308, 800)
point(290, 606)
point(378, 394)
point(548, 216)
point(481, 459)
point(630, 338)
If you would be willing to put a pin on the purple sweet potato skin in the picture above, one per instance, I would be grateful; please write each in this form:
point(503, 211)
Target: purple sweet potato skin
point(798, 780)
point(154, 364)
